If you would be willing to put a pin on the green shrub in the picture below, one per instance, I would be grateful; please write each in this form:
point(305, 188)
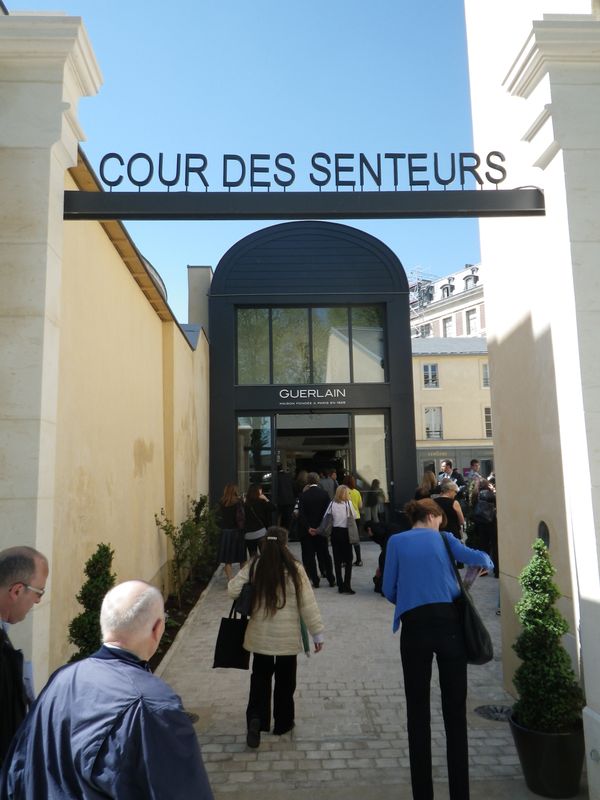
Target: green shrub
point(84, 629)
point(194, 543)
point(550, 699)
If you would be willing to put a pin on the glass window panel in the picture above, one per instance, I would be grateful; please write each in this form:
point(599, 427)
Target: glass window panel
point(471, 320)
point(254, 452)
point(291, 363)
point(252, 346)
point(448, 326)
point(331, 345)
point(488, 422)
point(433, 423)
point(485, 375)
point(430, 376)
point(368, 346)
point(369, 436)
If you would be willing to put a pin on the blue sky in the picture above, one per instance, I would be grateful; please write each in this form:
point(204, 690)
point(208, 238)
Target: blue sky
point(272, 76)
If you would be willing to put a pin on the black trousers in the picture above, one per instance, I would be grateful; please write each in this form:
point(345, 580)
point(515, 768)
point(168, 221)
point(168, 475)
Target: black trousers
point(427, 630)
point(315, 550)
point(259, 701)
point(342, 554)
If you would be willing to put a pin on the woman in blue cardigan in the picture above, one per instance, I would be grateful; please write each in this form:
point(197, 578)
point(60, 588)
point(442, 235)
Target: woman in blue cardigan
point(419, 579)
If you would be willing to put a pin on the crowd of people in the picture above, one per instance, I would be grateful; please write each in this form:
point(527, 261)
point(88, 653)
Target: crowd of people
point(106, 727)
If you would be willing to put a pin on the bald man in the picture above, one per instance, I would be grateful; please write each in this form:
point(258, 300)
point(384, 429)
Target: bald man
point(105, 727)
point(23, 575)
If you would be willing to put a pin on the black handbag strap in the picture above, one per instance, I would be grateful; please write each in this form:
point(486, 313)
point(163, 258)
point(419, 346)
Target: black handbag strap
point(453, 562)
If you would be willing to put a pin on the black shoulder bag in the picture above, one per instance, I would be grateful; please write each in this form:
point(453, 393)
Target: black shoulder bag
point(478, 641)
point(229, 649)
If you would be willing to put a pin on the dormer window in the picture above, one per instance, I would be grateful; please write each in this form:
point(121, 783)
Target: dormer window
point(447, 290)
point(470, 282)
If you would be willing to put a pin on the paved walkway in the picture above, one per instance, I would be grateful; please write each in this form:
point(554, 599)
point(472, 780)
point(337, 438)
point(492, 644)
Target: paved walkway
point(350, 737)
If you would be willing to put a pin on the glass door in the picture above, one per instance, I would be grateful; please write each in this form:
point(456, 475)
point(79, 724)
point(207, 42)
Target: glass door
point(371, 454)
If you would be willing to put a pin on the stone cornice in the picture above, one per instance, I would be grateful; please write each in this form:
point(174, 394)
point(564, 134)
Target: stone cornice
point(51, 39)
point(557, 39)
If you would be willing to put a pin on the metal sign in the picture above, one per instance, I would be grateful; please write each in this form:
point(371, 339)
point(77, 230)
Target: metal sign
point(302, 205)
point(392, 185)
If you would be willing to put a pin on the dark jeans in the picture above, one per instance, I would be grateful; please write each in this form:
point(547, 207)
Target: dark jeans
point(427, 630)
point(342, 554)
point(259, 701)
point(316, 550)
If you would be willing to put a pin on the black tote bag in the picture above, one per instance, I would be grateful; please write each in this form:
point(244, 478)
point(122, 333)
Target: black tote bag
point(229, 649)
point(478, 641)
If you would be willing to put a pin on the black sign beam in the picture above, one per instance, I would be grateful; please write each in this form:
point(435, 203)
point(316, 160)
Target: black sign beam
point(83, 205)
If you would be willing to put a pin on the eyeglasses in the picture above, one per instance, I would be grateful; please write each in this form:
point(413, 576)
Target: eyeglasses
point(39, 592)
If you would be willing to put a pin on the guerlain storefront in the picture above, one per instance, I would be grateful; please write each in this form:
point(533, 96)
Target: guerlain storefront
point(311, 360)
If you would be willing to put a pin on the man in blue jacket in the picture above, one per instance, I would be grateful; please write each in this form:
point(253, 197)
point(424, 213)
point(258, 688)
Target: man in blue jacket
point(105, 727)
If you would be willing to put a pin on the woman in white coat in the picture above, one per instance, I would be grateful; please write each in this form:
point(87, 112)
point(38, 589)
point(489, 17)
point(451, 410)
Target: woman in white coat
point(282, 599)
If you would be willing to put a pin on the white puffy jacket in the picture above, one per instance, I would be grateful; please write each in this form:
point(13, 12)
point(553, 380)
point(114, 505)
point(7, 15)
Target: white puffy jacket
point(279, 635)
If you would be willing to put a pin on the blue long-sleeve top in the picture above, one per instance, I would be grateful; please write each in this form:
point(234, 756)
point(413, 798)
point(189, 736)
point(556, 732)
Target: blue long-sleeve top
point(418, 570)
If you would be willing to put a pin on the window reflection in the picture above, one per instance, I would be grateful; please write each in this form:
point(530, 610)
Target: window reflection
point(331, 345)
point(254, 452)
point(291, 363)
point(368, 350)
point(328, 353)
point(253, 346)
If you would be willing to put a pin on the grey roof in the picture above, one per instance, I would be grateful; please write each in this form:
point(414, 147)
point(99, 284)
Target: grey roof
point(192, 334)
point(442, 346)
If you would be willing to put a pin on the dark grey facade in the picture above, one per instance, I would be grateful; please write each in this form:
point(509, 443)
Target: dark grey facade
point(358, 369)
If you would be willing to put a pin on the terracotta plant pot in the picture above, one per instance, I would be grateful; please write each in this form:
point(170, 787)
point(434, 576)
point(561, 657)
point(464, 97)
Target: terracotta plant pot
point(551, 762)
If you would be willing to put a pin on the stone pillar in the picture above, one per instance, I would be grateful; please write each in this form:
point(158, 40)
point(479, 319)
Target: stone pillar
point(46, 65)
point(557, 74)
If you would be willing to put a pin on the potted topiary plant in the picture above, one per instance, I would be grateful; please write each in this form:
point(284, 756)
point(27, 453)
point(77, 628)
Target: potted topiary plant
point(546, 719)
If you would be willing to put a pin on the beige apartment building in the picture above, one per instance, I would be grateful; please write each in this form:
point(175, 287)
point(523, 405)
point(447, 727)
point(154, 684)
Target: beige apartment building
point(449, 306)
point(453, 413)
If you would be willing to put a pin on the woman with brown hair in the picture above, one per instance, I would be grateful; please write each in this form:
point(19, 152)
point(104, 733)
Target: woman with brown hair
point(420, 580)
point(259, 512)
point(427, 486)
point(230, 518)
point(282, 601)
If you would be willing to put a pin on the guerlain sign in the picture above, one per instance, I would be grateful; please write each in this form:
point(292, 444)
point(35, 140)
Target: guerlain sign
point(372, 172)
point(312, 397)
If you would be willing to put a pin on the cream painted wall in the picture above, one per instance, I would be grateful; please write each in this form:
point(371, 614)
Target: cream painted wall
point(461, 396)
point(190, 420)
point(132, 424)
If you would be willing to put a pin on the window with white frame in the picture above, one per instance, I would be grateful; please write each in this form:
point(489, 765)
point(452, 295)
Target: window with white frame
point(470, 282)
point(425, 330)
point(433, 422)
point(472, 324)
point(488, 422)
point(448, 327)
point(430, 376)
point(485, 376)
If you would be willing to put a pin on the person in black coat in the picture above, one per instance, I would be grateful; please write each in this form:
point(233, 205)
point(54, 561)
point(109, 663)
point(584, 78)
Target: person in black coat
point(312, 505)
point(286, 497)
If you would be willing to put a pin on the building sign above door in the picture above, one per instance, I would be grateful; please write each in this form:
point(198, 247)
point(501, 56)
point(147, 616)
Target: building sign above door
point(194, 171)
point(322, 396)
